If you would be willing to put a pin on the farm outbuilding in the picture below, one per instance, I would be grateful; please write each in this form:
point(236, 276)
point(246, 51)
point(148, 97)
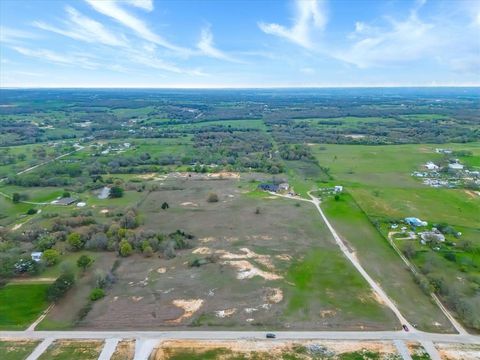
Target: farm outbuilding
point(64, 201)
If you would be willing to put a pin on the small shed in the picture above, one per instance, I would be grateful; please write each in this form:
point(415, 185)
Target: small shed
point(338, 188)
point(36, 256)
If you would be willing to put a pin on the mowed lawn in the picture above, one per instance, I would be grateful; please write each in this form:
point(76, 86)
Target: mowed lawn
point(21, 304)
point(383, 264)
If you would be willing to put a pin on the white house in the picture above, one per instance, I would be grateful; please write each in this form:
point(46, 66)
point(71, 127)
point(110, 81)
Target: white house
point(431, 166)
point(338, 188)
point(36, 256)
point(283, 186)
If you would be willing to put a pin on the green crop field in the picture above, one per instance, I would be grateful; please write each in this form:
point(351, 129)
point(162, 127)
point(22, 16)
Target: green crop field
point(21, 304)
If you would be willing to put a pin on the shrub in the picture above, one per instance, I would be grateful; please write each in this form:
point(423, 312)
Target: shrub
point(212, 198)
point(31, 211)
point(148, 251)
point(97, 294)
point(58, 289)
point(125, 248)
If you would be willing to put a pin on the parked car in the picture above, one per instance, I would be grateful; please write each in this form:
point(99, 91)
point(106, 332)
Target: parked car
point(271, 336)
point(405, 327)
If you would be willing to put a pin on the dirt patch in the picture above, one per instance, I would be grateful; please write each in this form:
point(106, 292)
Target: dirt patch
point(247, 254)
point(473, 194)
point(202, 251)
point(247, 271)
point(206, 239)
point(189, 203)
point(189, 307)
point(274, 349)
point(161, 270)
point(125, 350)
point(104, 211)
point(273, 295)
point(225, 313)
point(136, 298)
point(458, 351)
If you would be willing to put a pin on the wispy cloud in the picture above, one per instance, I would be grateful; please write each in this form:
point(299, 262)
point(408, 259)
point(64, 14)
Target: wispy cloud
point(402, 41)
point(310, 15)
point(77, 59)
point(81, 27)
point(9, 35)
point(207, 47)
point(150, 59)
point(142, 4)
point(111, 9)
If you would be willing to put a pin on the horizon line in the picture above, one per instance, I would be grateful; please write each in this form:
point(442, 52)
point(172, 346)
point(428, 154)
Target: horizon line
point(237, 87)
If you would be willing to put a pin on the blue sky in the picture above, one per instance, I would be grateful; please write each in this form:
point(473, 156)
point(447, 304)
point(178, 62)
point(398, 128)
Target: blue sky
point(230, 43)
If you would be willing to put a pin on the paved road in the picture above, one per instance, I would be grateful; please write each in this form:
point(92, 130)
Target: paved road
point(146, 340)
point(402, 349)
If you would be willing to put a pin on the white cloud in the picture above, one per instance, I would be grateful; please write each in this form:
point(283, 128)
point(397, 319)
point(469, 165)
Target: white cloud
point(207, 46)
point(111, 9)
point(146, 5)
point(82, 28)
point(310, 15)
point(81, 60)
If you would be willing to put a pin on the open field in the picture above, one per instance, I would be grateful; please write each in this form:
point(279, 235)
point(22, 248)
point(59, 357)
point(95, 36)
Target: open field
point(21, 304)
point(286, 350)
point(260, 268)
point(73, 349)
point(383, 264)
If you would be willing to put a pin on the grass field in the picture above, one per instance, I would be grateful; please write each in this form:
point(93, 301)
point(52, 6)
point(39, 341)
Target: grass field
point(21, 304)
point(16, 350)
point(383, 264)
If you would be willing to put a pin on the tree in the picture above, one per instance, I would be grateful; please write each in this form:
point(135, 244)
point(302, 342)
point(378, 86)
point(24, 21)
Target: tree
point(165, 205)
point(212, 198)
point(31, 211)
point(66, 194)
point(116, 192)
point(16, 198)
point(125, 248)
point(51, 257)
point(84, 262)
point(409, 250)
point(75, 241)
point(97, 294)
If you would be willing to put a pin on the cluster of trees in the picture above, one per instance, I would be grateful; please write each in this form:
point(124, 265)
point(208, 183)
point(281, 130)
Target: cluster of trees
point(461, 296)
point(238, 151)
point(295, 152)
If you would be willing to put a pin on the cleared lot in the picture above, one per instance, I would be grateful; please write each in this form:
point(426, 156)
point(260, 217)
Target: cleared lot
point(265, 262)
